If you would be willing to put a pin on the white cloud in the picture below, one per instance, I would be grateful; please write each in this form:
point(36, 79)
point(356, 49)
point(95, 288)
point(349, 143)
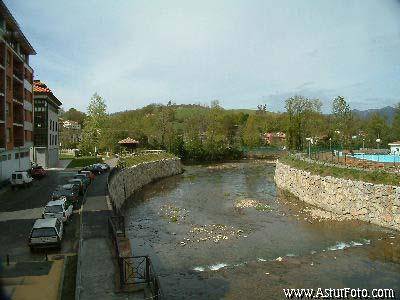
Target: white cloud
point(241, 52)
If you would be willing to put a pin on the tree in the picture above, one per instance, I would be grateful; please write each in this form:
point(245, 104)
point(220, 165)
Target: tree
point(396, 123)
point(94, 125)
point(251, 134)
point(73, 115)
point(300, 112)
point(342, 118)
point(377, 127)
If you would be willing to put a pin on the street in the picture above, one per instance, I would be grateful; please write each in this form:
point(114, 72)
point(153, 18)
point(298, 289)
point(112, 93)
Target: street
point(20, 208)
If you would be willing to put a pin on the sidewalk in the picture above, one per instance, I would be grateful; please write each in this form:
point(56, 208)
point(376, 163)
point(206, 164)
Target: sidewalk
point(96, 269)
point(33, 280)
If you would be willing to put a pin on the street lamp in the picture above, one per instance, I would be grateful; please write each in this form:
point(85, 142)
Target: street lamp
point(363, 147)
point(310, 140)
point(378, 141)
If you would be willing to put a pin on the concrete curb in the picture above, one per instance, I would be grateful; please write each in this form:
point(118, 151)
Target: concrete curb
point(61, 286)
point(78, 280)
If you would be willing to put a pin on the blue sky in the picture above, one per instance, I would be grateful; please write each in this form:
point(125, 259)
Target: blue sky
point(243, 53)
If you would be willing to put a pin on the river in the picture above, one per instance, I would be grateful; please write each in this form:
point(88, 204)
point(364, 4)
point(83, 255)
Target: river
point(225, 232)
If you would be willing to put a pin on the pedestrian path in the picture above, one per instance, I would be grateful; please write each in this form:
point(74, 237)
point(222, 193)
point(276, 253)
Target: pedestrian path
point(96, 269)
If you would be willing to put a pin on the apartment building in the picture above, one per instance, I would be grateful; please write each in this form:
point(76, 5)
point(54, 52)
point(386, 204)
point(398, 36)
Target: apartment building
point(16, 96)
point(46, 129)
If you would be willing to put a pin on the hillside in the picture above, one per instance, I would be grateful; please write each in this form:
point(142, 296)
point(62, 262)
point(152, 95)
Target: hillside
point(387, 112)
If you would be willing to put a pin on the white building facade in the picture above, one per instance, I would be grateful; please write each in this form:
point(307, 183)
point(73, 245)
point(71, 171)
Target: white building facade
point(45, 151)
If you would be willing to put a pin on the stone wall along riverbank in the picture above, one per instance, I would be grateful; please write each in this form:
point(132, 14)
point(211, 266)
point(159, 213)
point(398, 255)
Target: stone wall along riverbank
point(124, 183)
point(375, 203)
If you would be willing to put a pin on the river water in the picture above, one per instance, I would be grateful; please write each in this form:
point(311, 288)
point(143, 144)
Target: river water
point(206, 244)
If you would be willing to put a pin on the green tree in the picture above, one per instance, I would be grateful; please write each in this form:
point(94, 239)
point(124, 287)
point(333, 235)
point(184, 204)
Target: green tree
point(377, 127)
point(301, 113)
point(94, 125)
point(251, 134)
point(342, 118)
point(73, 115)
point(396, 124)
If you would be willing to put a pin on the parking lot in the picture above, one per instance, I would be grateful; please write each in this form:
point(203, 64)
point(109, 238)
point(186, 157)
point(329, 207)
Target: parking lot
point(20, 208)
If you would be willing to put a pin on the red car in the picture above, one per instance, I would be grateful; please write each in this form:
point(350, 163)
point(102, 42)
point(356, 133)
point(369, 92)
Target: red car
point(38, 172)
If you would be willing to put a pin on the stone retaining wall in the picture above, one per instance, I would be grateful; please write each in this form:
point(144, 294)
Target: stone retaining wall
point(124, 183)
point(375, 203)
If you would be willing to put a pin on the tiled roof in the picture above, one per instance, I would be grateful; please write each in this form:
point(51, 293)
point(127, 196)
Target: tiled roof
point(40, 87)
point(128, 140)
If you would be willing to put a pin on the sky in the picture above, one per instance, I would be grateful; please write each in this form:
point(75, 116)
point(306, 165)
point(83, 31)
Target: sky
point(240, 52)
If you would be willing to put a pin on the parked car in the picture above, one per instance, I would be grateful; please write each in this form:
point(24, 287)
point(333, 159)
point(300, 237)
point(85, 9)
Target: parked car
point(38, 172)
point(46, 233)
point(103, 166)
point(89, 174)
point(20, 178)
point(83, 177)
point(95, 169)
point(61, 209)
point(79, 181)
point(70, 191)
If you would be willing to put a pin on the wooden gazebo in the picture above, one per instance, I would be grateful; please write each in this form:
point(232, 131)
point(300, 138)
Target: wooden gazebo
point(129, 144)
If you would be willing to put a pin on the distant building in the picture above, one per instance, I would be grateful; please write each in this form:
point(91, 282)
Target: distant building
point(274, 138)
point(70, 134)
point(46, 141)
point(395, 148)
point(16, 101)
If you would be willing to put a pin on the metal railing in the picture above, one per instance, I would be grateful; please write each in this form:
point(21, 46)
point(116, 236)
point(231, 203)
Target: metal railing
point(133, 270)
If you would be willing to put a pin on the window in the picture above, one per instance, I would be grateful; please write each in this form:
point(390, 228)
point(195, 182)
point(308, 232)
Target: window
point(43, 232)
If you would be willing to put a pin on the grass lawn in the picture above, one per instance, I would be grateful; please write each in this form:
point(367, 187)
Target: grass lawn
point(83, 161)
point(377, 176)
point(134, 160)
point(66, 156)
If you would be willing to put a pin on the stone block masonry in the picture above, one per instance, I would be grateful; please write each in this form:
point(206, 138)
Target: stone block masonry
point(374, 203)
point(129, 180)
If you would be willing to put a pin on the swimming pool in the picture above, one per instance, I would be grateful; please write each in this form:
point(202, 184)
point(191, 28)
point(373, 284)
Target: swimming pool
point(378, 157)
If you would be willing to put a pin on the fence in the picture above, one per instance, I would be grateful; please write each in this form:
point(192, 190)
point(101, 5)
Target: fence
point(363, 159)
point(133, 270)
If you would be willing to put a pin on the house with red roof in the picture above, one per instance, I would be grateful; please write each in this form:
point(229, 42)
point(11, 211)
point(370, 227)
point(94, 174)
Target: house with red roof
point(46, 142)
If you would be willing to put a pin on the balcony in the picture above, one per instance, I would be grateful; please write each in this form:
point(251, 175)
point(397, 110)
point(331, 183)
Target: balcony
point(18, 114)
point(2, 53)
point(2, 84)
point(2, 137)
point(2, 110)
point(18, 91)
point(18, 68)
point(18, 136)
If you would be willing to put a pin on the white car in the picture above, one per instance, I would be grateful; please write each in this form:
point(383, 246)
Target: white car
point(20, 178)
point(46, 233)
point(59, 208)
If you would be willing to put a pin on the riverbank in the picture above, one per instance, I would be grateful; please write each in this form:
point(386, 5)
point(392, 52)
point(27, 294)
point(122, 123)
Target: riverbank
point(125, 182)
point(222, 231)
point(343, 197)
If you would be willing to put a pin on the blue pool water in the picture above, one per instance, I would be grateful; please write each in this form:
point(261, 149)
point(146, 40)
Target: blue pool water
point(379, 157)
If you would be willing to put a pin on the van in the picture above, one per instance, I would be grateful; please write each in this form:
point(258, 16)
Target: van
point(20, 178)
point(46, 233)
